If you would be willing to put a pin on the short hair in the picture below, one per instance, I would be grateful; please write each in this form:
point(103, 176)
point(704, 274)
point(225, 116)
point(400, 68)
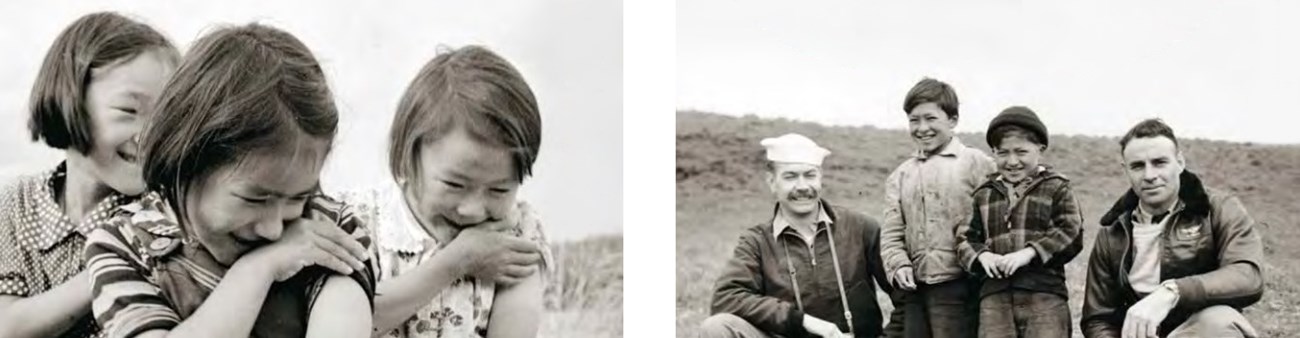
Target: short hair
point(240, 89)
point(58, 114)
point(470, 88)
point(929, 90)
point(1148, 128)
point(1010, 130)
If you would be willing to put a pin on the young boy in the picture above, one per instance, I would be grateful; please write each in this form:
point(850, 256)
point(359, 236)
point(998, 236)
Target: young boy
point(927, 198)
point(1024, 228)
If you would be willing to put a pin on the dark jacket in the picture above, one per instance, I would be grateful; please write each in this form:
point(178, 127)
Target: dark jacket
point(1047, 219)
point(1210, 250)
point(755, 284)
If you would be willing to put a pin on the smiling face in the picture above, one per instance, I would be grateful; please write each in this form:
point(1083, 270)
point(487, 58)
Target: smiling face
point(461, 182)
point(796, 186)
point(1153, 166)
point(245, 205)
point(930, 127)
point(117, 99)
point(1017, 158)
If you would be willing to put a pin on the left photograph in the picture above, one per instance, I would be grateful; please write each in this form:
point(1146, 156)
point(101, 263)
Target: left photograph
point(311, 169)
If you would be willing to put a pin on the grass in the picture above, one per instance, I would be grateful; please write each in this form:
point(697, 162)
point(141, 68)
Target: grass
point(720, 192)
point(584, 295)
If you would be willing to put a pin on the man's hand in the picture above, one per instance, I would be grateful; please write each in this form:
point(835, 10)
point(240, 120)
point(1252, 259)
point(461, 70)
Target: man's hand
point(989, 261)
point(903, 277)
point(821, 328)
point(1143, 319)
point(1014, 261)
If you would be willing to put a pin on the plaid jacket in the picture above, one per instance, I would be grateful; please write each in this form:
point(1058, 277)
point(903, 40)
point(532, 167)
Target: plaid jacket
point(1046, 218)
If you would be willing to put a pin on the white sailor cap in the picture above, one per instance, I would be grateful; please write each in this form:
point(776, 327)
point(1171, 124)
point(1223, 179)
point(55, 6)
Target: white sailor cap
point(794, 148)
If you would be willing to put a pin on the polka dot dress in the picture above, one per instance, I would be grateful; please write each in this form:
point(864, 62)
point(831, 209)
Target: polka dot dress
point(40, 247)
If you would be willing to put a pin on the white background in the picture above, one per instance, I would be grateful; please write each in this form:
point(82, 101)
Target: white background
point(570, 52)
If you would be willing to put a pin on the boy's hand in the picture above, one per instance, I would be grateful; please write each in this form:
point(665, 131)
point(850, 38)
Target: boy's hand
point(989, 261)
point(1014, 261)
point(903, 277)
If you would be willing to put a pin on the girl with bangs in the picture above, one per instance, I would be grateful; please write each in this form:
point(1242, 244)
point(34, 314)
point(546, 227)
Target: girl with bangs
point(233, 237)
point(92, 92)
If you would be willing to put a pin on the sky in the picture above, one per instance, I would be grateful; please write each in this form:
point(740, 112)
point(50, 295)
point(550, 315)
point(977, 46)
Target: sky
point(569, 51)
point(1211, 69)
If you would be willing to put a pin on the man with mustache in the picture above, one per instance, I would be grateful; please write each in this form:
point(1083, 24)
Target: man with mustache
point(811, 270)
point(1173, 258)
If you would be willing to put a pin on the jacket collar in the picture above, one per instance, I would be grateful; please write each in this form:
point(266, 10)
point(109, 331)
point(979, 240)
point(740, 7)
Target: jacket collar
point(1043, 173)
point(780, 224)
point(1191, 192)
point(951, 149)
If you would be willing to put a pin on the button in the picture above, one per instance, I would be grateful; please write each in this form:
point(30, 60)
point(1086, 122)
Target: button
point(161, 243)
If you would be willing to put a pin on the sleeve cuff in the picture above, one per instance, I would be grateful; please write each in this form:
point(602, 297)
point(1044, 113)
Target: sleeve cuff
point(1043, 255)
point(794, 326)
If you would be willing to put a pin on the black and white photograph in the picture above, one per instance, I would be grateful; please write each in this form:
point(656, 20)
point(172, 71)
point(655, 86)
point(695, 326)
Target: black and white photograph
point(986, 169)
point(311, 169)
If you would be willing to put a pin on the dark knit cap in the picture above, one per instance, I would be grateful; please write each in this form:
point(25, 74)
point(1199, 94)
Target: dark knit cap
point(1019, 116)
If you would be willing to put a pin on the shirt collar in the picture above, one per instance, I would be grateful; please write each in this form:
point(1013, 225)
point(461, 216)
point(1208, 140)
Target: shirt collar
point(949, 150)
point(52, 223)
point(780, 222)
point(1140, 215)
point(400, 231)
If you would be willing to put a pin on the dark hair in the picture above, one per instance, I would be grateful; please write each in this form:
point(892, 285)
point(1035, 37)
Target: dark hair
point(58, 112)
point(932, 91)
point(471, 88)
point(1009, 130)
point(1148, 128)
point(239, 90)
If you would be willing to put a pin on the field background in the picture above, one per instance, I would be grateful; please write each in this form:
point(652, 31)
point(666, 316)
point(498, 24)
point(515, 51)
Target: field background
point(720, 191)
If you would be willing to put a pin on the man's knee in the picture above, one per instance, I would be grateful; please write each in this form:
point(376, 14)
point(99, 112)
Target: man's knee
point(1219, 320)
point(724, 325)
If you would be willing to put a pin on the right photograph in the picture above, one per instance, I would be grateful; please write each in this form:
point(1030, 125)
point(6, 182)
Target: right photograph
point(991, 170)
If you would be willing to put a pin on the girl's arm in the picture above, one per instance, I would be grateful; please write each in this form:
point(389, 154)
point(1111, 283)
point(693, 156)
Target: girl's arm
point(341, 310)
point(398, 298)
point(517, 309)
point(46, 314)
point(231, 309)
point(479, 253)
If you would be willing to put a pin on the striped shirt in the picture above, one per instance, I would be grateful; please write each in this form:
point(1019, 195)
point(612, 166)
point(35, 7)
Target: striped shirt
point(145, 276)
point(40, 247)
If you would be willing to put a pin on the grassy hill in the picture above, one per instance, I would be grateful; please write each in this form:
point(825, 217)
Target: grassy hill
point(720, 191)
point(584, 293)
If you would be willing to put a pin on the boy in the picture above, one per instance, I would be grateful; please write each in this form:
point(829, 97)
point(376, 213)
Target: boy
point(1025, 227)
point(927, 198)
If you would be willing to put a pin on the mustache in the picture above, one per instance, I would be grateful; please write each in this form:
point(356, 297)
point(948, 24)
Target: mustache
point(806, 193)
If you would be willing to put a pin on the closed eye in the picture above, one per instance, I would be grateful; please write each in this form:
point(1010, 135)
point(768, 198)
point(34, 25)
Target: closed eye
point(131, 111)
point(453, 185)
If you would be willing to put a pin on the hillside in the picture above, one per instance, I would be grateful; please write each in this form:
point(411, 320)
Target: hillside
point(720, 191)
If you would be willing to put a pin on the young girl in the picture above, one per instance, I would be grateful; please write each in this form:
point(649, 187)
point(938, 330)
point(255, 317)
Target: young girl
point(233, 239)
point(97, 80)
point(458, 255)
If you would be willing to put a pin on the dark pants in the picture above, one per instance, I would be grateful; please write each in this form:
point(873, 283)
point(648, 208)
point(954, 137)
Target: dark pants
point(1020, 313)
point(946, 309)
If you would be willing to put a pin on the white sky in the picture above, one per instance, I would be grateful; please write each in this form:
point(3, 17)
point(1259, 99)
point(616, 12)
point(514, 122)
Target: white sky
point(569, 51)
point(1212, 69)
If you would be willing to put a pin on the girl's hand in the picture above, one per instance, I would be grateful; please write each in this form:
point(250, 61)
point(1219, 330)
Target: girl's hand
point(306, 242)
point(489, 255)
